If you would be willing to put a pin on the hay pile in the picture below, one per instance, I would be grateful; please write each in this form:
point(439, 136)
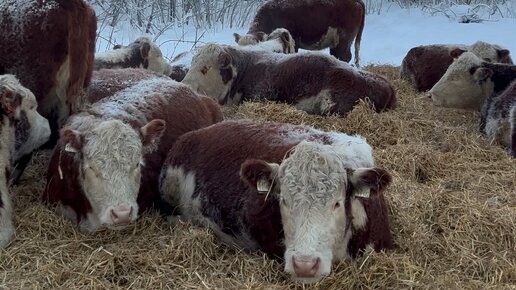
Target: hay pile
point(452, 208)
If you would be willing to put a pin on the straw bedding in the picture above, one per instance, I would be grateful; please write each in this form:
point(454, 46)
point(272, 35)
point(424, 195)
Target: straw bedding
point(452, 208)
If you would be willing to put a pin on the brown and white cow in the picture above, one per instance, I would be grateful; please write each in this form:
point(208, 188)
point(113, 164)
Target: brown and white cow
point(142, 53)
point(105, 168)
point(313, 24)
point(498, 118)
point(22, 130)
point(314, 82)
point(106, 82)
point(49, 46)
point(470, 80)
point(293, 192)
point(424, 65)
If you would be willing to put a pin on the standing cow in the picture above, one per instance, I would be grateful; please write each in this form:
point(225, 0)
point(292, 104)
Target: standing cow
point(424, 65)
point(104, 170)
point(470, 80)
point(498, 118)
point(295, 192)
point(311, 81)
point(22, 130)
point(142, 53)
point(313, 24)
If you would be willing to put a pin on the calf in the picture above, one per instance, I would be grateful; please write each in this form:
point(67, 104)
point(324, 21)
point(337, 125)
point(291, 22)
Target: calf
point(295, 192)
point(23, 130)
point(333, 24)
point(469, 81)
point(104, 170)
point(497, 120)
point(424, 65)
point(142, 53)
point(312, 81)
point(107, 82)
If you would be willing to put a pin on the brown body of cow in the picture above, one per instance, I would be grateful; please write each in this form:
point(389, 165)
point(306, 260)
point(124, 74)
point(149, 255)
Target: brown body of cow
point(424, 65)
point(314, 25)
point(241, 179)
point(49, 46)
point(90, 175)
point(311, 81)
point(107, 82)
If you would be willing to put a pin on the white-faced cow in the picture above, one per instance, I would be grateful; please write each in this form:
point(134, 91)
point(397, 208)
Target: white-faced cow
point(142, 53)
point(311, 81)
point(424, 65)
point(279, 41)
point(469, 81)
point(104, 170)
point(293, 192)
point(22, 130)
point(314, 25)
point(106, 82)
point(498, 118)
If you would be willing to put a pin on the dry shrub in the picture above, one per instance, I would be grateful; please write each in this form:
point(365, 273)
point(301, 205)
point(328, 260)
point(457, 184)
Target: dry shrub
point(452, 208)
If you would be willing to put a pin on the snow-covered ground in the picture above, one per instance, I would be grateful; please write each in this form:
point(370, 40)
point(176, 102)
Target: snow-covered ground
point(386, 39)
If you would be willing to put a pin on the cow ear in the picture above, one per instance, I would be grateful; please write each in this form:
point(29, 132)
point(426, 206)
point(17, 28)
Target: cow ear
point(72, 140)
point(259, 174)
point(482, 74)
point(117, 46)
point(260, 36)
point(224, 60)
point(285, 37)
point(503, 53)
point(456, 52)
point(145, 49)
point(7, 102)
point(151, 134)
point(367, 181)
point(237, 37)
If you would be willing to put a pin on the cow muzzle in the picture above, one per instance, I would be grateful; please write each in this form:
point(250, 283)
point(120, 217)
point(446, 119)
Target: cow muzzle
point(306, 266)
point(121, 215)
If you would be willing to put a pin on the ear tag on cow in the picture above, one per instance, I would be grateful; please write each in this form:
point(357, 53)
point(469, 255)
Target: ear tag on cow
point(363, 192)
point(262, 186)
point(69, 148)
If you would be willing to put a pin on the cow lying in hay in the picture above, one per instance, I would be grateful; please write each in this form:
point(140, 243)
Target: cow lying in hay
point(105, 168)
point(469, 81)
point(424, 65)
point(279, 41)
point(142, 53)
point(498, 118)
point(312, 81)
point(333, 24)
point(291, 191)
point(23, 130)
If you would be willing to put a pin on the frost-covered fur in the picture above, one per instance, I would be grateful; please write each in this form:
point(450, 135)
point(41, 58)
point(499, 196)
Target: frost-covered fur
point(142, 53)
point(23, 130)
point(490, 52)
point(462, 86)
point(279, 40)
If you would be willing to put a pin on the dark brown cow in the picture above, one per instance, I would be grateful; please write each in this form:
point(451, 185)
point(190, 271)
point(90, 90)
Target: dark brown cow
point(49, 46)
point(498, 118)
point(312, 81)
point(22, 130)
point(313, 24)
point(104, 170)
point(107, 82)
point(424, 65)
point(295, 192)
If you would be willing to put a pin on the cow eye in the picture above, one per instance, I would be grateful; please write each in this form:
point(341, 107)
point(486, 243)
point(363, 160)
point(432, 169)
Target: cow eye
point(204, 70)
point(473, 69)
point(336, 205)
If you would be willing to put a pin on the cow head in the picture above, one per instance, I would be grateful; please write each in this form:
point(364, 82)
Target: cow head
point(19, 104)
point(109, 158)
point(490, 52)
point(465, 84)
point(152, 55)
point(319, 198)
point(212, 72)
point(286, 39)
point(250, 39)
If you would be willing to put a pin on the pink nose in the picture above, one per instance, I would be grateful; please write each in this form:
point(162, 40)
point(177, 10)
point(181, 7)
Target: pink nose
point(121, 215)
point(306, 266)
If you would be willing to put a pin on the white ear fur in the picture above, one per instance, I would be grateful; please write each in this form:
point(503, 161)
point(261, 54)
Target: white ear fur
point(69, 148)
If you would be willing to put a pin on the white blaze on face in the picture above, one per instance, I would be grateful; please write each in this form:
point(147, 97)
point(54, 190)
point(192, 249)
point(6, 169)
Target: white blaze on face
point(205, 74)
point(485, 51)
point(462, 86)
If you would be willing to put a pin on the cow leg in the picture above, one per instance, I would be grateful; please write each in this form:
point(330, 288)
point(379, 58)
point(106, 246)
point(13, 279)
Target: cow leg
point(6, 223)
point(19, 168)
point(342, 50)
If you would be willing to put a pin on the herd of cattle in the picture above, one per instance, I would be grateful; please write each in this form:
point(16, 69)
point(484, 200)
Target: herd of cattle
point(128, 137)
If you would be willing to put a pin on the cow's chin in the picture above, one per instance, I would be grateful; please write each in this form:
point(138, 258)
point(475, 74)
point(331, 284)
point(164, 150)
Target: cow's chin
point(303, 280)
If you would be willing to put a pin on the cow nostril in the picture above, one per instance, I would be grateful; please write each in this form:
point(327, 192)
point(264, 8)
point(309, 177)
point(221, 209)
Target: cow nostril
point(113, 214)
point(306, 266)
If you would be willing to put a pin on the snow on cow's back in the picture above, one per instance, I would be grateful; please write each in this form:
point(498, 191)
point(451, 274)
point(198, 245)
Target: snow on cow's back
point(19, 12)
